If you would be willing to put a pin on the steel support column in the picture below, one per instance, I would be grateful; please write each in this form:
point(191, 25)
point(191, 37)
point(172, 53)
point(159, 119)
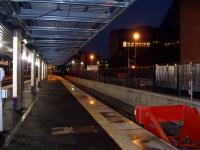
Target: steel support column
point(39, 72)
point(17, 69)
point(45, 71)
point(33, 73)
point(42, 71)
point(23, 64)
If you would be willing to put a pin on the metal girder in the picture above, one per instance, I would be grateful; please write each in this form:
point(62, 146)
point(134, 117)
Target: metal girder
point(61, 46)
point(58, 55)
point(64, 19)
point(59, 37)
point(58, 42)
point(58, 46)
point(69, 34)
point(62, 13)
point(79, 2)
point(57, 60)
point(61, 29)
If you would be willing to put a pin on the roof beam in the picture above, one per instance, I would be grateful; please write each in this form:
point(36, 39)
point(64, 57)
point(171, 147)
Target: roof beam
point(68, 34)
point(63, 18)
point(58, 48)
point(79, 2)
point(60, 37)
point(57, 42)
point(39, 28)
point(56, 45)
point(45, 12)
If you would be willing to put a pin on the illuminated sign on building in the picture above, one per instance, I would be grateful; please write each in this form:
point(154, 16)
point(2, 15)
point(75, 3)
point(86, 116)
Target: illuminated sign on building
point(138, 44)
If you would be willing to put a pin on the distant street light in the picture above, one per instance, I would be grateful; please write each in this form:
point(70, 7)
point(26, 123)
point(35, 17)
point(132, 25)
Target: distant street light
point(25, 41)
point(133, 66)
point(136, 37)
point(92, 58)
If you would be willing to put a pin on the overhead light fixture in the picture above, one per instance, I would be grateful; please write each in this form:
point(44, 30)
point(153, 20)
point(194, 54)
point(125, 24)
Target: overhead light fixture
point(37, 63)
point(29, 58)
point(1, 44)
point(25, 41)
point(24, 57)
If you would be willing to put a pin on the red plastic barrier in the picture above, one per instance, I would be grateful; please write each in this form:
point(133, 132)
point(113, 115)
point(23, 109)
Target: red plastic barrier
point(151, 117)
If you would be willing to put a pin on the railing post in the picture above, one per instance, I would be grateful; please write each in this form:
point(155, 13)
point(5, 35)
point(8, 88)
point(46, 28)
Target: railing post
point(154, 78)
point(178, 83)
point(138, 77)
point(126, 82)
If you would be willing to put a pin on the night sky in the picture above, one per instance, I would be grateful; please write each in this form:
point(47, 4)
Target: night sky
point(142, 12)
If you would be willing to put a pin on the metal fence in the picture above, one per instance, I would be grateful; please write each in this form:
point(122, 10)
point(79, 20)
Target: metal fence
point(168, 79)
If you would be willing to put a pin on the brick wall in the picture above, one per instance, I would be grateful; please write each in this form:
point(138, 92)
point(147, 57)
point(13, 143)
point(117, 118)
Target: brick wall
point(190, 30)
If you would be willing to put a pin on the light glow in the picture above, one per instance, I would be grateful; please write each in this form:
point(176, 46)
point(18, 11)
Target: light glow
point(1, 44)
point(91, 56)
point(24, 57)
point(133, 67)
point(25, 41)
point(92, 102)
point(29, 58)
point(37, 62)
point(136, 36)
point(124, 43)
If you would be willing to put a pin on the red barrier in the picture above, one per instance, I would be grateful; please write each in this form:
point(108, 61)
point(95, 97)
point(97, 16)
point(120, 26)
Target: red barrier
point(152, 116)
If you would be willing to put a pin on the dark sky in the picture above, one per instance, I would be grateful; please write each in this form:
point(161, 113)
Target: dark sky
point(142, 12)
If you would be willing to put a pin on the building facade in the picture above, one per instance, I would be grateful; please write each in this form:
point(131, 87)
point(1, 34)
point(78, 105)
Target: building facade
point(155, 46)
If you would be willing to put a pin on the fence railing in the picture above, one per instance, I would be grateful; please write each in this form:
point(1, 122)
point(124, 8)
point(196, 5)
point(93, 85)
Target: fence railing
point(168, 79)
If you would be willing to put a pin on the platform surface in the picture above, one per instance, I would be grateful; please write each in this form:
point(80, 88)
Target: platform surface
point(57, 121)
point(126, 133)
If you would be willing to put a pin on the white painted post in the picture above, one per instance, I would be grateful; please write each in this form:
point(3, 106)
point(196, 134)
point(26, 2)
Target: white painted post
point(2, 74)
point(46, 71)
point(45, 66)
point(39, 72)
point(42, 72)
point(33, 72)
point(17, 65)
point(23, 63)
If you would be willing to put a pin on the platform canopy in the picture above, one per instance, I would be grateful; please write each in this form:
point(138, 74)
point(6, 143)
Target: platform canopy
point(60, 28)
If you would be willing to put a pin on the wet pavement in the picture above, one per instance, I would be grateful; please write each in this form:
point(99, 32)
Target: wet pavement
point(57, 121)
point(11, 117)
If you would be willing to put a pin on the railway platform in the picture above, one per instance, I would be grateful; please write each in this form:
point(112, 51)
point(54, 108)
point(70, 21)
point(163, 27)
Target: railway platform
point(81, 122)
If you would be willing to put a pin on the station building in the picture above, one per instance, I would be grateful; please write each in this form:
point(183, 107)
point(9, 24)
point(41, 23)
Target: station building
point(155, 46)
